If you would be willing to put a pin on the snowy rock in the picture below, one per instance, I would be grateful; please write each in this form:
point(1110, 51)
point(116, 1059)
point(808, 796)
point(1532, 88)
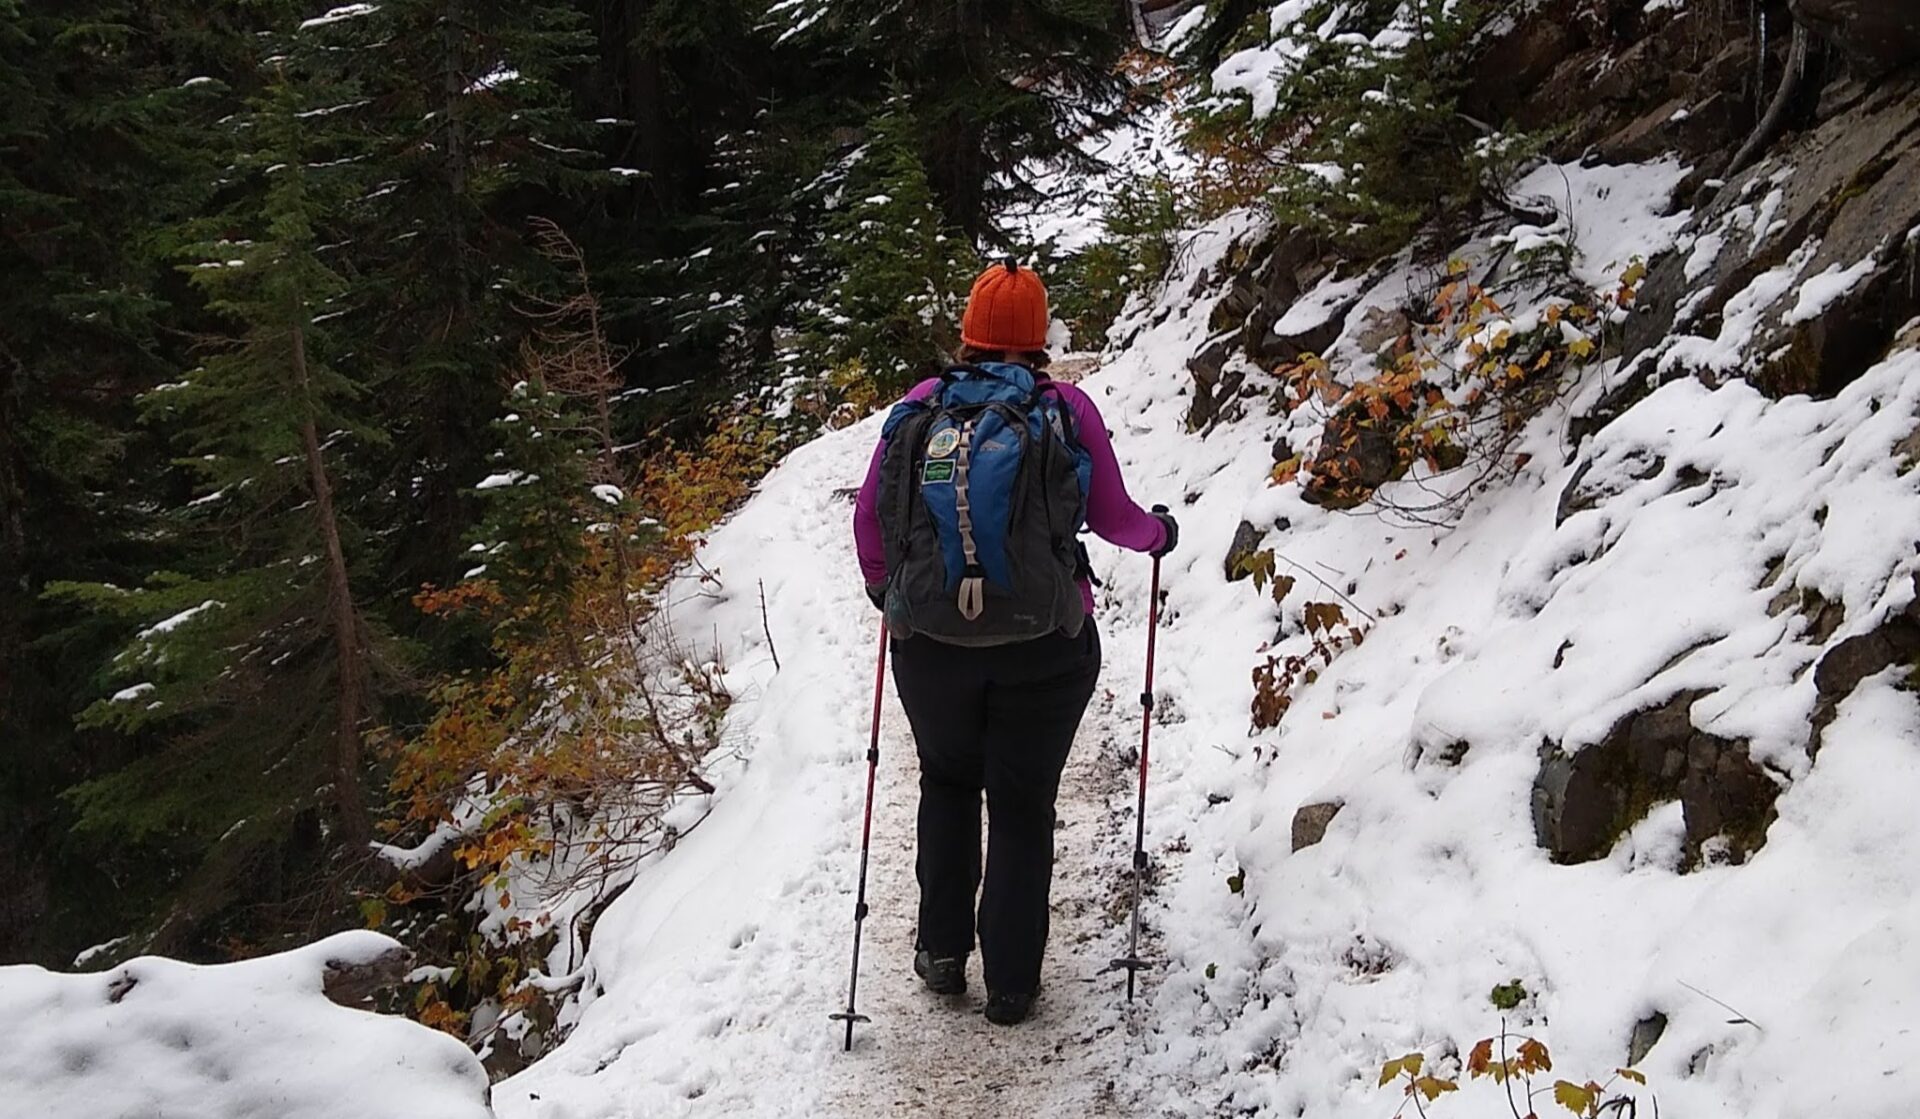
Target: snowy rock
point(1217, 377)
point(1647, 1033)
point(1840, 671)
point(1310, 822)
point(1585, 802)
point(353, 978)
point(1380, 327)
point(1883, 34)
point(1302, 308)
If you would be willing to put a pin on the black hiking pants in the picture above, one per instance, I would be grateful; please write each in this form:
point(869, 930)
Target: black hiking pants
point(998, 721)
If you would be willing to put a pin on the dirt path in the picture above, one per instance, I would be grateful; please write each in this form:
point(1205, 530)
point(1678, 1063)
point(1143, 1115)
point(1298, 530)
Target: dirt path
point(924, 1055)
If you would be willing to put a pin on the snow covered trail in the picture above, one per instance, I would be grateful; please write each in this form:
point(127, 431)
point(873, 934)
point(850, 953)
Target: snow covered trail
point(924, 1055)
point(708, 985)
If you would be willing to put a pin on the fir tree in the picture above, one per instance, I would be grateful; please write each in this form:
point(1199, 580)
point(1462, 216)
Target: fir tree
point(468, 124)
point(102, 106)
point(894, 308)
point(253, 677)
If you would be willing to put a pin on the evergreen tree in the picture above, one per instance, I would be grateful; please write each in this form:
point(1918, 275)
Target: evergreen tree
point(469, 129)
point(997, 87)
point(893, 310)
point(253, 678)
point(102, 103)
point(696, 250)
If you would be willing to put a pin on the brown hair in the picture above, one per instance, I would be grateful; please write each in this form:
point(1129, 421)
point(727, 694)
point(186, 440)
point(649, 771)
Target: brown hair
point(1036, 360)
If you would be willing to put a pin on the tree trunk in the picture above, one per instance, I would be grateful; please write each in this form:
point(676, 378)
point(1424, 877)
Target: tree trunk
point(349, 801)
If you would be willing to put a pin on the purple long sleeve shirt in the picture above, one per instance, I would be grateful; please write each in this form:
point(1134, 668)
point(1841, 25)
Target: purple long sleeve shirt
point(1111, 514)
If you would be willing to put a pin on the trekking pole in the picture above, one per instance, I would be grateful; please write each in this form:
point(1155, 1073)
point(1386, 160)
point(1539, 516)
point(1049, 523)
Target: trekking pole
point(850, 1015)
point(1132, 961)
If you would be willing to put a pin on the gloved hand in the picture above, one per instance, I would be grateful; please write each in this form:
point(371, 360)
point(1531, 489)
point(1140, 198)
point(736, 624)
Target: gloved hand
point(1172, 539)
point(877, 594)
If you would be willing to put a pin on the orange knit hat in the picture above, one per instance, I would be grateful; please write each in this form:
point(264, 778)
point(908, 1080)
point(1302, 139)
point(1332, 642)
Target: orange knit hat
point(1007, 310)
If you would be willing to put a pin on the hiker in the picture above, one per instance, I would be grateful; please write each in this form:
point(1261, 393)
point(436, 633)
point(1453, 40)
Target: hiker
point(994, 648)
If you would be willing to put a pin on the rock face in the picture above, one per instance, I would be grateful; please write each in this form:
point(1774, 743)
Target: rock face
point(1583, 803)
point(1611, 76)
point(1217, 377)
point(1854, 187)
point(1268, 276)
point(1310, 822)
point(1881, 34)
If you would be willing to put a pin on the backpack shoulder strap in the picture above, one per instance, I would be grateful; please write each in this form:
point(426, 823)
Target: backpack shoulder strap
point(1069, 424)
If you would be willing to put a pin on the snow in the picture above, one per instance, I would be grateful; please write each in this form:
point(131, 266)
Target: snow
point(157, 1037)
point(1319, 305)
point(91, 954)
point(1614, 214)
point(1739, 320)
point(498, 76)
point(1706, 250)
point(609, 494)
point(128, 695)
point(336, 15)
point(1824, 290)
point(169, 624)
point(503, 478)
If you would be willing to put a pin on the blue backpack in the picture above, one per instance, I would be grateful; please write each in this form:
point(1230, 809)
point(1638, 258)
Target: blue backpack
point(983, 492)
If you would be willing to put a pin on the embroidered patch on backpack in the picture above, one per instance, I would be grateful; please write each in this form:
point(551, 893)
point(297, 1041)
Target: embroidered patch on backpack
point(943, 443)
point(936, 472)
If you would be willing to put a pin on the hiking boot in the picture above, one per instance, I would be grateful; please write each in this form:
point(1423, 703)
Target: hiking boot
point(943, 975)
point(1008, 1008)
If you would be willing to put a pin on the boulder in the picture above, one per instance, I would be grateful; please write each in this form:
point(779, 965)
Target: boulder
point(1584, 802)
point(1879, 35)
point(1297, 262)
point(1310, 822)
point(1357, 456)
point(1213, 382)
point(1379, 328)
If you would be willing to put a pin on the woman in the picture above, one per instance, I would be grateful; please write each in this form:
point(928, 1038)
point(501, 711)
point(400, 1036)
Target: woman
point(999, 719)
